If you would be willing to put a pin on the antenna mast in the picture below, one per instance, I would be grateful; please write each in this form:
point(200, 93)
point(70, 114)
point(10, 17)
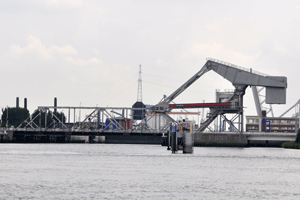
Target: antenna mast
point(139, 92)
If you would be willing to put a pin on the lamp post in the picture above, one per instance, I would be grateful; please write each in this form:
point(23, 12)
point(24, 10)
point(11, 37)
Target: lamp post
point(79, 111)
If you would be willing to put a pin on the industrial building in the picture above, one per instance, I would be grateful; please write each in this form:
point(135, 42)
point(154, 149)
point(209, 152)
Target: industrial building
point(271, 124)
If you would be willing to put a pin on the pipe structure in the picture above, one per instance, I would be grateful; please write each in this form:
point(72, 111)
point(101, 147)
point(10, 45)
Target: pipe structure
point(55, 104)
point(25, 103)
point(17, 102)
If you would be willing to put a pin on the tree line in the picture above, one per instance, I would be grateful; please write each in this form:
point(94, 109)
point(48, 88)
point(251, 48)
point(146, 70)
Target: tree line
point(15, 116)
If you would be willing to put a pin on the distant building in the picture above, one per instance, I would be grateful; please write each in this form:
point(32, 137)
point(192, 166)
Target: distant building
point(271, 124)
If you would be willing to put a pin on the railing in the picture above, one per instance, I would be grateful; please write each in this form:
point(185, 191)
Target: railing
point(236, 66)
point(86, 130)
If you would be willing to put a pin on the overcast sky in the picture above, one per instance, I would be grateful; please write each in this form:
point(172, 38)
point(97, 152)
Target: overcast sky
point(90, 51)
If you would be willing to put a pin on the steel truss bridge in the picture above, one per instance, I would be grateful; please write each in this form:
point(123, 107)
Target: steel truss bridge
point(119, 120)
point(99, 121)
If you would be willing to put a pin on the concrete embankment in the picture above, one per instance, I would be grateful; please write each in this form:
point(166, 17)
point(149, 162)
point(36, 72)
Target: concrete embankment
point(133, 139)
point(219, 139)
point(87, 139)
point(9, 137)
point(200, 139)
point(63, 137)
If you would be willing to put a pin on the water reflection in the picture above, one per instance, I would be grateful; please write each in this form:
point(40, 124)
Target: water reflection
point(75, 171)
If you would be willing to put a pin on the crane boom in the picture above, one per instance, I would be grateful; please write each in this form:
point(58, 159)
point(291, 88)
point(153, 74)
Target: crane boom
point(241, 78)
point(177, 92)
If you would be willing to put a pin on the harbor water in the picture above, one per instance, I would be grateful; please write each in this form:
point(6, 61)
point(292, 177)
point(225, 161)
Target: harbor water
point(121, 171)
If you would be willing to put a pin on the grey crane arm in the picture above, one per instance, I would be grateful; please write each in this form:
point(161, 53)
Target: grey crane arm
point(163, 107)
point(275, 85)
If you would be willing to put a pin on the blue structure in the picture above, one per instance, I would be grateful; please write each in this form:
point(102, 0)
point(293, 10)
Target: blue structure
point(107, 123)
point(263, 122)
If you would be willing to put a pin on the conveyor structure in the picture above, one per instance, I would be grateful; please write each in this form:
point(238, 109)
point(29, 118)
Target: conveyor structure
point(240, 78)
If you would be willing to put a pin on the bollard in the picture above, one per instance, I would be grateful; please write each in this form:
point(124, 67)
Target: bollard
point(174, 142)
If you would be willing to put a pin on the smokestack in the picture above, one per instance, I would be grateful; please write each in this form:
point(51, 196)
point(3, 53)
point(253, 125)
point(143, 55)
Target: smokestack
point(17, 102)
point(25, 103)
point(55, 104)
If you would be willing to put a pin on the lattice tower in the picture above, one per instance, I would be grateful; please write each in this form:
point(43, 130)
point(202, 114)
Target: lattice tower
point(139, 91)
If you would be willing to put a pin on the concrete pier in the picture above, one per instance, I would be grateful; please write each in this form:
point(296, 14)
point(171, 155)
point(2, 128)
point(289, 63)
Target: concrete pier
point(228, 139)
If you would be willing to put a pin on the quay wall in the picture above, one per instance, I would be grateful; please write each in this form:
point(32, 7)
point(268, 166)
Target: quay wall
point(200, 139)
point(219, 139)
point(63, 137)
point(133, 139)
point(87, 139)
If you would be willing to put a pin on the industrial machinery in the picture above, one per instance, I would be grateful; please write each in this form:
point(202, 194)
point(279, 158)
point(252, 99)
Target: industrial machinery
point(240, 78)
point(134, 120)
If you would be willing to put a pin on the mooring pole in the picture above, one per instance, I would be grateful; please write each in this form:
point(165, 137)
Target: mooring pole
point(169, 140)
point(40, 120)
point(174, 142)
point(74, 119)
point(69, 119)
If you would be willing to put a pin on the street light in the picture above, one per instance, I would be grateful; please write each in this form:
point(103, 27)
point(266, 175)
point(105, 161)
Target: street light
point(79, 111)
